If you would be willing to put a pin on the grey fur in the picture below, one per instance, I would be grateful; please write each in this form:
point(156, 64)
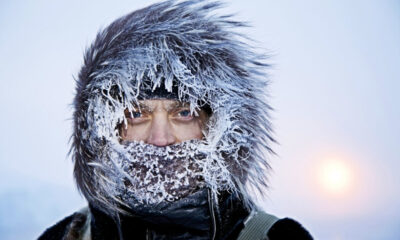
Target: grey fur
point(183, 45)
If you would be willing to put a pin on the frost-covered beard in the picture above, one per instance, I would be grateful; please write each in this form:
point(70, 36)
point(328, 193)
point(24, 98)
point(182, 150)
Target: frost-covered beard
point(141, 174)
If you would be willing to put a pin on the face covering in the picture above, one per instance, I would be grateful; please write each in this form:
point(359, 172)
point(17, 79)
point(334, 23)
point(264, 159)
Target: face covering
point(138, 174)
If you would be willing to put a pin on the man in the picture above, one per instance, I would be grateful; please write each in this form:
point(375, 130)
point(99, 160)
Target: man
point(171, 129)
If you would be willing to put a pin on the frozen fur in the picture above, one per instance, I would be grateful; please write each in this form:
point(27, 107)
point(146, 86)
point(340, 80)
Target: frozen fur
point(183, 45)
point(143, 174)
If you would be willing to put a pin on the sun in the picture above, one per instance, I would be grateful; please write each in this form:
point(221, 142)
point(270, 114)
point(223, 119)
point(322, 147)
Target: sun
point(335, 176)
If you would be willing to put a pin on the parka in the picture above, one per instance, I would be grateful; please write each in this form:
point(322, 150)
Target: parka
point(191, 54)
point(193, 218)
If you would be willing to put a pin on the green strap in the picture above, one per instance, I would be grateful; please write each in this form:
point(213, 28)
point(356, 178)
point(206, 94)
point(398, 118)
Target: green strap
point(257, 226)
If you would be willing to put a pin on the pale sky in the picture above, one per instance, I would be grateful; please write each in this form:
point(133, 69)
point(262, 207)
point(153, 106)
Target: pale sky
point(334, 87)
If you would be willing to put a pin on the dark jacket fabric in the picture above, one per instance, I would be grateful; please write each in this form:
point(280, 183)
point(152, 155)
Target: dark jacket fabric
point(195, 217)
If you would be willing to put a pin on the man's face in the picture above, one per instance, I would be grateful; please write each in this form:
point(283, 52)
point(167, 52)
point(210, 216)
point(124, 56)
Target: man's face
point(162, 123)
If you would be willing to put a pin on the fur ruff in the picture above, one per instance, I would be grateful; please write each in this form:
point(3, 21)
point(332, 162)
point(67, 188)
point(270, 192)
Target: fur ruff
point(181, 45)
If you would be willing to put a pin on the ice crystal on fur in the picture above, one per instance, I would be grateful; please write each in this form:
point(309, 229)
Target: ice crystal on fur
point(143, 174)
point(187, 46)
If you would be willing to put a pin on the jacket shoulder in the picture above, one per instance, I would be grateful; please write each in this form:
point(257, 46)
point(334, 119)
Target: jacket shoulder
point(57, 231)
point(71, 226)
point(287, 228)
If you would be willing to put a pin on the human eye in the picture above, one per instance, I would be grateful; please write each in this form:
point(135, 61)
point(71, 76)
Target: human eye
point(136, 117)
point(136, 114)
point(183, 115)
point(133, 114)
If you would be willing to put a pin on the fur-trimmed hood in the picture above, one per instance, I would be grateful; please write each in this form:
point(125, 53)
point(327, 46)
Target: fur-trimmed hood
point(181, 45)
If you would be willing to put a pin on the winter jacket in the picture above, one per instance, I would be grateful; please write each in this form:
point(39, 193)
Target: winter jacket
point(195, 217)
point(197, 57)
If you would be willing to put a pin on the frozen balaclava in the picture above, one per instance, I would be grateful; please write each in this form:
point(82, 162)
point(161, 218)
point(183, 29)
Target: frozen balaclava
point(189, 54)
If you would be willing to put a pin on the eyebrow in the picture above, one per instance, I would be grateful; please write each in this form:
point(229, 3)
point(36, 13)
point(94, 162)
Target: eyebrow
point(138, 106)
point(141, 106)
point(175, 105)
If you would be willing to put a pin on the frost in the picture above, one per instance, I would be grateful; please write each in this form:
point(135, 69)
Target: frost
point(143, 174)
point(177, 46)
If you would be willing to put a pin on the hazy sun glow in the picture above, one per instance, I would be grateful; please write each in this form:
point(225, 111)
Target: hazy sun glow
point(335, 176)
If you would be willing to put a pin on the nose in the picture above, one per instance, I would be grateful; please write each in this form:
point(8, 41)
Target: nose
point(161, 133)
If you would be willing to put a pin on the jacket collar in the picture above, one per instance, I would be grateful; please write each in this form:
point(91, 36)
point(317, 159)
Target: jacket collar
point(198, 216)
